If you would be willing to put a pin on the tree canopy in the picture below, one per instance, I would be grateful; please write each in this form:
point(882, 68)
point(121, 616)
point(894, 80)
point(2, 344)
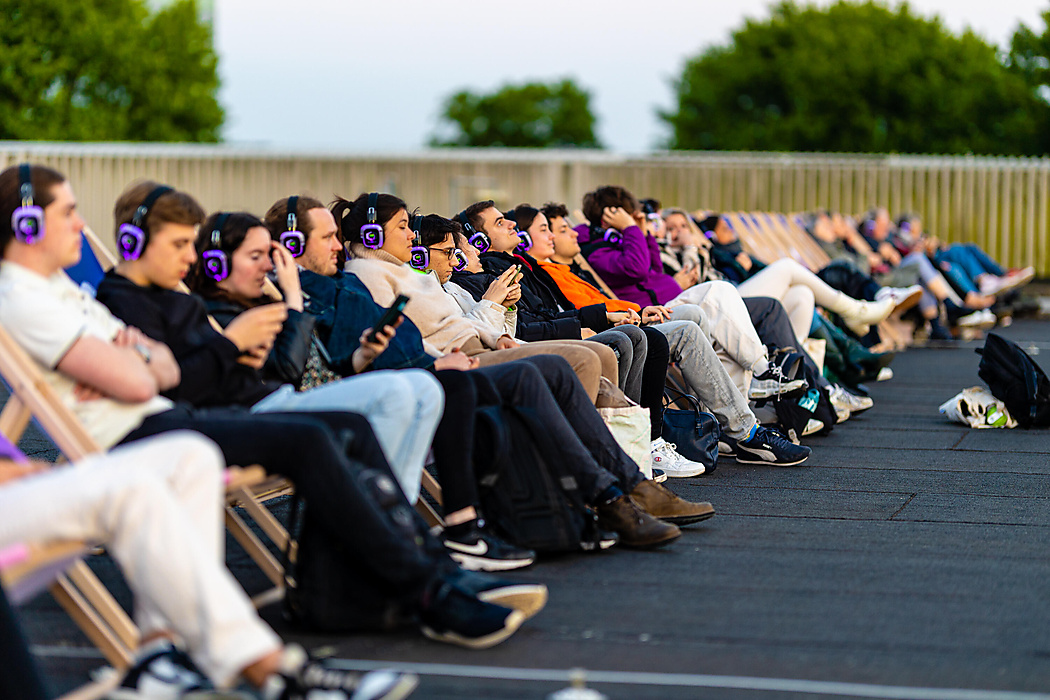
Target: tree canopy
point(531, 115)
point(107, 70)
point(862, 77)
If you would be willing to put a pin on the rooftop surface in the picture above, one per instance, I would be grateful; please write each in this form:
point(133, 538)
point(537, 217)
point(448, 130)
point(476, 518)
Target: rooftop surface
point(908, 558)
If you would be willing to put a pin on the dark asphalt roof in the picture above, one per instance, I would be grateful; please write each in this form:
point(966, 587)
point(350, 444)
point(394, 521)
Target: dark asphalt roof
point(908, 552)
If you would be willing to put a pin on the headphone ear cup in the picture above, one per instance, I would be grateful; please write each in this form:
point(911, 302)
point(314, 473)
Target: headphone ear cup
point(420, 259)
point(216, 264)
point(294, 242)
point(461, 261)
point(526, 242)
point(372, 236)
point(28, 224)
point(130, 241)
point(480, 241)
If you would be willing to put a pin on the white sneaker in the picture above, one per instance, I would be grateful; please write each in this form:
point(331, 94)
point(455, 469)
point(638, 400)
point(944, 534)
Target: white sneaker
point(673, 464)
point(812, 426)
point(885, 374)
point(853, 403)
point(982, 319)
point(903, 298)
point(863, 313)
point(162, 671)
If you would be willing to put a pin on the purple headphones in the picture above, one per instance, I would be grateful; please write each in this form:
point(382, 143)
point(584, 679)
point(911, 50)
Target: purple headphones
point(461, 261)
point(610, 235)
point(526, 242)
point(420, 259)
point(131, 238)
point(476, 238)
point(215, 261)
point(371, 232)
point(27, 221)
point(293, 239)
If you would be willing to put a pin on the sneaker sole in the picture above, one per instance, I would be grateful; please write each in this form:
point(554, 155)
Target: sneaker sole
point(758, 460)
point(528, 598)
point(131, 694)
point(473, 563)
point(660, 479)
point(908, 302)
point(401, 690)
point(786, 388)
point(681, 474)
point(511, 625)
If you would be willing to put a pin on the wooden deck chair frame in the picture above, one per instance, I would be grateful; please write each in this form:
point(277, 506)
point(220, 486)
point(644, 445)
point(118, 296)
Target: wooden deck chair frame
point(249, 497)
point(251, 500)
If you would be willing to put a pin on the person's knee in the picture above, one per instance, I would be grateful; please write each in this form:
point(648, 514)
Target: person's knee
point(425, 388)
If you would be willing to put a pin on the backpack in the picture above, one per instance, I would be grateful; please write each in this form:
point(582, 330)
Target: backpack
point(325, 589)
point(1016, 380)
point(526, 493)
point(794, 410)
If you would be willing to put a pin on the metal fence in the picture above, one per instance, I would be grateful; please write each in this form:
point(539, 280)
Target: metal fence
point(999, 203)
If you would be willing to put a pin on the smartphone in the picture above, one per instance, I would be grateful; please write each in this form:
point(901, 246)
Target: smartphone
point(519, 273)
point(389, 317)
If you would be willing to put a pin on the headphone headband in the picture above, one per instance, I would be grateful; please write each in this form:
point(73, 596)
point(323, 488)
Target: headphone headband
point(293, 216)
point(373, 200)
point(139, 219)
point(25, 180)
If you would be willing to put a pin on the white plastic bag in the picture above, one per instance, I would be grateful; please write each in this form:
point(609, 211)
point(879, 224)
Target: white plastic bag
point(977, 408)
point(629, 424)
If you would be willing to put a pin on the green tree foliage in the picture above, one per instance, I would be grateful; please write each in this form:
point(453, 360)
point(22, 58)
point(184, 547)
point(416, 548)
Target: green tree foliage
point(533, 115)
point(1029, 58)
point(854, 77)
point(104, 70)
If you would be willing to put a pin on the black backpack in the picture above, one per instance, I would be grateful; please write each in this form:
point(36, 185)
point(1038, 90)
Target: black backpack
point(1016, 380)
point(526, 493)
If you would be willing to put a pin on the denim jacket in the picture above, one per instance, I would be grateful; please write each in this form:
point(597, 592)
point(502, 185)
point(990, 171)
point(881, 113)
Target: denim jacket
point(344, 309)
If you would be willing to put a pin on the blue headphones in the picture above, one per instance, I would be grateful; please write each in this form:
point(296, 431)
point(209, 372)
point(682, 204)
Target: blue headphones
point(371, 232)
point(292, 238)
point(214, 260)
point(131, 238)
point(420, 259)
point(27, 221)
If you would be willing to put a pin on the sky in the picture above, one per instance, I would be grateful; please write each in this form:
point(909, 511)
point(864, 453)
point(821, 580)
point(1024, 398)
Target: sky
point(370, 77)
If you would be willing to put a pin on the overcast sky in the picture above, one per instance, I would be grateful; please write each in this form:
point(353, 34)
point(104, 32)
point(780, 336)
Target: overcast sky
point(371, 76)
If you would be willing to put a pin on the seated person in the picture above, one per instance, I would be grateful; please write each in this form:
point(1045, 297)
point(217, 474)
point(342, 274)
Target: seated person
point(402, 398)
point(382, 266)
point(345, 308)
point(110, 376)
point(155, 505)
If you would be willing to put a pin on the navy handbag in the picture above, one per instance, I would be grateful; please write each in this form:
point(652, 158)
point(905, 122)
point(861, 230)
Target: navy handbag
point(694, 432)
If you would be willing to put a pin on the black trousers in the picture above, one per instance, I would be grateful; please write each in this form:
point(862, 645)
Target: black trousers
point(19, 677)
point(774, 328)
point(326, 455)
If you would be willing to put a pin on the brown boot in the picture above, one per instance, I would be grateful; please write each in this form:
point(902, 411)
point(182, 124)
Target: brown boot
point(635, 527)
point(657, 500)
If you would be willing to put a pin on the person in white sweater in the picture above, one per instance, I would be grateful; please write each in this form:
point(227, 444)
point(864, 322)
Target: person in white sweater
point(382, 266)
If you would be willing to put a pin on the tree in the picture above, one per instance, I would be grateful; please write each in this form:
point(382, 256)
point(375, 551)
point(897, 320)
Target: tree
point(106, 70)
point(1029, 58)
point(853, 77)
point(532, 115)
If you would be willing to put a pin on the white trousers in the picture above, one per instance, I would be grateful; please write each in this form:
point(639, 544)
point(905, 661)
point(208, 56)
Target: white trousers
point(156, 505)
point(724, 318)
point(402, 406)
point(798, 290)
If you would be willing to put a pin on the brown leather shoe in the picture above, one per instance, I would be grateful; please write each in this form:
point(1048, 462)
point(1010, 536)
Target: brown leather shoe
point(659, 501)
point(635, 527)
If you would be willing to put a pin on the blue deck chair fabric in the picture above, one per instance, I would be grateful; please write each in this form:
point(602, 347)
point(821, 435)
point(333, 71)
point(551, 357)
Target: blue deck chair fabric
point(88, 273)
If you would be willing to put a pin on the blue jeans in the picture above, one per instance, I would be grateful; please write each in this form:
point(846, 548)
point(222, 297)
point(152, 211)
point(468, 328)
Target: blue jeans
point(973, 261)
point(402, 406)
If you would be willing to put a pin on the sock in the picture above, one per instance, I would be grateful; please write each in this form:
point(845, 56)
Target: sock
point(609, 495)
point(754, 431)
point(462, 529)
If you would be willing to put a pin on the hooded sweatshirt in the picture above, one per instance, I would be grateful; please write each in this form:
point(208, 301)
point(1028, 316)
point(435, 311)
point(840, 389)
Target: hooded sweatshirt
point(632, 268)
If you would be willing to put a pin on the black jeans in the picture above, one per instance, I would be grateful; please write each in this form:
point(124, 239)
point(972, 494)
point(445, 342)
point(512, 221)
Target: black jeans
point(324, 454)
point(774, 328)
point(547, 384)
point(19, 677)
point(654, 377)
point(843, 276)
point(453, 444)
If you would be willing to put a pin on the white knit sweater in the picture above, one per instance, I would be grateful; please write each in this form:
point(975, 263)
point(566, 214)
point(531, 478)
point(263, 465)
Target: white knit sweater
point(437, 315)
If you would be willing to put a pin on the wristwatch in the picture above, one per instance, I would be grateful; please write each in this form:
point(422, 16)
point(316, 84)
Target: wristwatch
point(143, 352)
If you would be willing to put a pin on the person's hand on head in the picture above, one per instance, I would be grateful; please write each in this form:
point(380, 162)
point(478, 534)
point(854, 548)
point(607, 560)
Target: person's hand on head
point(617, 218)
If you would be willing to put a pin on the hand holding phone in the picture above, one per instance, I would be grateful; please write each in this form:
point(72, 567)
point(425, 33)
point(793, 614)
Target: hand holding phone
point(389, 317)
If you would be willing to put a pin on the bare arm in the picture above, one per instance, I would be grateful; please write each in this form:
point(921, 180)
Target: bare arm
point(118, 372)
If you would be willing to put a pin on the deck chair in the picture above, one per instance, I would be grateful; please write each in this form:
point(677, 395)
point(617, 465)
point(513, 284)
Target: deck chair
point(95, 261)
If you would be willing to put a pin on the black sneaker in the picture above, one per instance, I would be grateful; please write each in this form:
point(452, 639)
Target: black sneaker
point(304, 678)
point(529, 598)
point(784, 376)
point(452, 614)
point(475, 549)
point(768, 447)
point(161, 671)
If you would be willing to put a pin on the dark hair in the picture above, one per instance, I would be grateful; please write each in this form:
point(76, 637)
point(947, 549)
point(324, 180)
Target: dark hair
point(276, 219)
point(435, 229)
point(42, 178)
point(553, 210)
point(351, 216)
point(708, 224)
point(523, 215)
point(473, 212)
point(231, 237)
point(173, 207)
point(594, 203)
point(650, 206)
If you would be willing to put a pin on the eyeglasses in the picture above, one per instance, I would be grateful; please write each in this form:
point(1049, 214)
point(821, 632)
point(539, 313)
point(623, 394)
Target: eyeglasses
point(450, 253)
